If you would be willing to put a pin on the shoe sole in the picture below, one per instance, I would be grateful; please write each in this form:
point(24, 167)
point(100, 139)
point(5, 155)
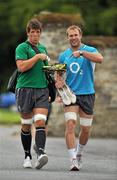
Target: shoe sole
point(28, 167)
point(55, 67)
point(67, 100)
point(43, 161)
point(70, 94)
point(74, 169)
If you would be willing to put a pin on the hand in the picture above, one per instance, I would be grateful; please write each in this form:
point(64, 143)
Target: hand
point(59, 84)
point(42, 56)
point(76, 53)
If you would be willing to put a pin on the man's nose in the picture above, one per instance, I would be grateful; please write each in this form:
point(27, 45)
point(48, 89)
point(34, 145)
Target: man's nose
point(35, 33)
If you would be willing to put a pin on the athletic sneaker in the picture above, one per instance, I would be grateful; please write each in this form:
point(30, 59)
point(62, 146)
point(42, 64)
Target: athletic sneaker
point(41, 161)
point(65, 98)
point(74, 166)
point(55, 67)
point(71, 95)
point(79, 160)
point(27, 162)
point(42, 158)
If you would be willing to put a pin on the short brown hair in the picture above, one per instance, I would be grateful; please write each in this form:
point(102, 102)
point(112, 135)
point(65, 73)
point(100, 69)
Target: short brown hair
point(72, 28)
point(34, 24)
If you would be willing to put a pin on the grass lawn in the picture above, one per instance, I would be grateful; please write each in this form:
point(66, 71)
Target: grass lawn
point(9, 117)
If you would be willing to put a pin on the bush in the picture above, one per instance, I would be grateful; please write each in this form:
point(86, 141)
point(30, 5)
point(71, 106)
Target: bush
point(107, 22)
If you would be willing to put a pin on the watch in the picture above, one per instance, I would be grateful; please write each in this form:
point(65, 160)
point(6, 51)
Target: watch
point(81, 53)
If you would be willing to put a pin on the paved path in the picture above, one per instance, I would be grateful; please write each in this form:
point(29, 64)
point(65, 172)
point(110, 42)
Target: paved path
point(100, 159)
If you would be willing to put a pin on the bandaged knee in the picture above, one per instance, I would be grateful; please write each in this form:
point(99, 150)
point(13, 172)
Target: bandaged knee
point(38, 117)
point(70, 115)
point(27, 121)
point(86, 121)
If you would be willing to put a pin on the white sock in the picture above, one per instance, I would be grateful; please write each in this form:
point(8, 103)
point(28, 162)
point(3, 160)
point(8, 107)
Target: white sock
point(80, 149)
point(72, 153)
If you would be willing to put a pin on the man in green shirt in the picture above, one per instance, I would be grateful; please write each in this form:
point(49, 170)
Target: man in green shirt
point(32, 94)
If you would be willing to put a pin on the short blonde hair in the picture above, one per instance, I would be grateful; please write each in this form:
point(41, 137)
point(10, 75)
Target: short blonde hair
point(72, 28)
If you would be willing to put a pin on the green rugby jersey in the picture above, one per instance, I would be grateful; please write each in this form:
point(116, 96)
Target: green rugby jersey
point(34, 77)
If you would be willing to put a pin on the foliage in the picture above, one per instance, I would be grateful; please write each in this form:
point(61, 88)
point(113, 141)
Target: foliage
point(106, 23)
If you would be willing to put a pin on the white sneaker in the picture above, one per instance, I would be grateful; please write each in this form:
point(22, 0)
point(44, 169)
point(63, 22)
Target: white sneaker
point(27, 162)
point(41, 161)
point(69, 92)
point(65, 98)
point(79, 160)
point(74, 166)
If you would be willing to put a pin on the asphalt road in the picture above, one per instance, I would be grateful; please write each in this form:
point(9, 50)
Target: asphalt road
point(100, 159)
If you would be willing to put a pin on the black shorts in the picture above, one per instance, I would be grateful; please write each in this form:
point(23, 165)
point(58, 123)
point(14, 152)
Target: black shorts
point(29, 98)
point(86, 103)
